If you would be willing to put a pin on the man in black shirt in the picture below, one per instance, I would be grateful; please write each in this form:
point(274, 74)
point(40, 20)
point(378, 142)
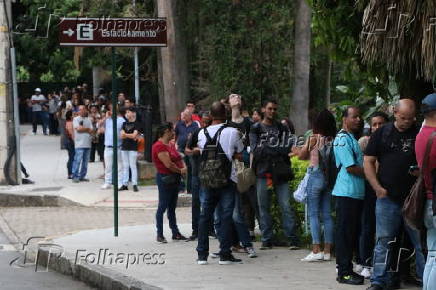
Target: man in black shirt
point(392, 146)
point(129, 148)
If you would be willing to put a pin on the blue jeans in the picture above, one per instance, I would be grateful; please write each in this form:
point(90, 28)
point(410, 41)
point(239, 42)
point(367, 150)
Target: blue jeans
point(264, 201)
point(129, 162)
point(225, 198)
point(243, 236)
point(80, 163)
point(319, 203)
point(389, 221)
point(168, 195)
point(429, 279)
point(40, 116)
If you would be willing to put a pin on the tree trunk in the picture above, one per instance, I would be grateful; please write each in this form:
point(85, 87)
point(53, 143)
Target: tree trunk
point(328, 81)
point(97, 72)
point(299, 110)
point(173, 61)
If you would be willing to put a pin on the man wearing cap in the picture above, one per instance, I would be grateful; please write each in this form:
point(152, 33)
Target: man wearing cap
point(39, 111)
point(429, 110)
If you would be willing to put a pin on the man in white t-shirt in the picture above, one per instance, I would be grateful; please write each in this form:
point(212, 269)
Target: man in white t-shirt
point(231, 144)
point(39, 111)
point(82, 144)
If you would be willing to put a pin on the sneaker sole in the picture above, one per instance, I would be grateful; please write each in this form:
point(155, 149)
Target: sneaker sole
point(202, 262)
point(228, 262)
point(252, 256)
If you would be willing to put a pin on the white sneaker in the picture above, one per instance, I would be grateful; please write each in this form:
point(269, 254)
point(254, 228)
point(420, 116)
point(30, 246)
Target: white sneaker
point(358, 268)
point(327, 257)
point(106, 186)
point(312, 257)
point(366, 272)
point(251, 252)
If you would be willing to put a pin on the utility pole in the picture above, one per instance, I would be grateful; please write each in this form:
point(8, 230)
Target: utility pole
point(9, 143)
point(136, 64)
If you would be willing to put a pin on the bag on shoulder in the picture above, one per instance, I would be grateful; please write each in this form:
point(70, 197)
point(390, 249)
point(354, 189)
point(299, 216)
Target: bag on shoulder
point(215, 167)
point(300, 194)
point(246, 176)
point(414, 205)
point(327, 164)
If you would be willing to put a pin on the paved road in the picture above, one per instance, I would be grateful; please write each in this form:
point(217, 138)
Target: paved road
point(26, 278)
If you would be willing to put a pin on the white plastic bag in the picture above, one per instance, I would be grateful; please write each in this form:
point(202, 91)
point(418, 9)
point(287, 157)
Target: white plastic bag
point(301, 193)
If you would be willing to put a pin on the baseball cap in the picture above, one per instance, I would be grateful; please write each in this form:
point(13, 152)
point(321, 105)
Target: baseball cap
point(429, 103)
point(38, 90)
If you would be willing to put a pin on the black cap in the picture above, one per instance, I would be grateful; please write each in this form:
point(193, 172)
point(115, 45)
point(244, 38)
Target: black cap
point(429, 103)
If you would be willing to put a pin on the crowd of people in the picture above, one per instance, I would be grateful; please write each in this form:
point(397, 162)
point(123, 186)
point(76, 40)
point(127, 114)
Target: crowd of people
point(85, 126)
point(368, 174)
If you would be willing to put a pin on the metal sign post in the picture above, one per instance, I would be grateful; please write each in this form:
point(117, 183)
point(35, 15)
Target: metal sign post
point(113, 32)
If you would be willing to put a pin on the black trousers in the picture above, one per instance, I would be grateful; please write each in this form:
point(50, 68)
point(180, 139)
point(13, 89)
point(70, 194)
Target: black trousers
point(348, 222)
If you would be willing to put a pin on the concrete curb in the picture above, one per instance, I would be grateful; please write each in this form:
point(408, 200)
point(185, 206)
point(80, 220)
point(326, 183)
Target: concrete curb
point(93, 275)
point(26, 200)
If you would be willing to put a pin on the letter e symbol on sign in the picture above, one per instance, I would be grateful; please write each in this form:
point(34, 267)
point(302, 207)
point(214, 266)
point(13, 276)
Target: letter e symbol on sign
point(85, 32)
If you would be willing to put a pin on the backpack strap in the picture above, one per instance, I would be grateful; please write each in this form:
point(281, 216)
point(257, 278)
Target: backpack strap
point(209, 139)
point(218, 134)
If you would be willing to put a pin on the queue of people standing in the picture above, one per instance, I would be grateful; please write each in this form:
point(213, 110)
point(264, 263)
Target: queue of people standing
point(368, 176)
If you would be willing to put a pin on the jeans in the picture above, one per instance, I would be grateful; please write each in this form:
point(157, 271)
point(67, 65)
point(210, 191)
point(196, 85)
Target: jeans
point(80, 164)
point(40, 116)
point(348, 213)
point(240, 228)
point(188, 179)
point(108, 161)
point(225, 198)
point(69, 145)
point(389, 221)
point(367, 234)
point(318, 202)
point(53, 124)
point(264, 201)
point(129, 161)
point(195, 203)
point(429, 279)
point(168, 195)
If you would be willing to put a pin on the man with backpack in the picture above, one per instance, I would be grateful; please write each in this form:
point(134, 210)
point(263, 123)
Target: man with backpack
point(393, 147)
point(270, 145)
point(349, 191)
point(219, 144)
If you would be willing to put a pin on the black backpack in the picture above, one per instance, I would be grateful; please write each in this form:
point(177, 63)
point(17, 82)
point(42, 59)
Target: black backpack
point(327, 164)
point(215, 167)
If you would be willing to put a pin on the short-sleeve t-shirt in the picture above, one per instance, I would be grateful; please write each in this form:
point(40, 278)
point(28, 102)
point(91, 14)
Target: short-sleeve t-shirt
point(182, 133)
point(347, 153)
point(37, 107)
point(420, 146)
point(175, 157)
point(108, 131)
point(395, 152)
point(82, 140)
point(129, 144)
point(230, 141)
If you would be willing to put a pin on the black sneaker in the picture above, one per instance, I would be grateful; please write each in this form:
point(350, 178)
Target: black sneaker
point(135, 188)
point(124, 187)
point(161, 240)
point(266, 246)
point(179, 237)
point(215, 255)
point(375, 287)
point(193, 237)
point(353, 279)
point(84, 180)
point(294, 245)
point(202, 260)
point(229, 259)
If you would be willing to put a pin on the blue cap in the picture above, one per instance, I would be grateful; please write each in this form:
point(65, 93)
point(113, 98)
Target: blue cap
point(429, 103)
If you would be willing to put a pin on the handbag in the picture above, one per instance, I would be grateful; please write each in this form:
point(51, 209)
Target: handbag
point(414, 205)
point(300, 194)
point(246, 176)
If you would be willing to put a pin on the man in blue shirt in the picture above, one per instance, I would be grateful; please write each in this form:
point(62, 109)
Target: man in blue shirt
point(349, 190)
point(184, 128)
point(107, 129)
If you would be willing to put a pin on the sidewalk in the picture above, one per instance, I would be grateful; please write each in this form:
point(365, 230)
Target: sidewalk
point(46, 164)
point(278, 268)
